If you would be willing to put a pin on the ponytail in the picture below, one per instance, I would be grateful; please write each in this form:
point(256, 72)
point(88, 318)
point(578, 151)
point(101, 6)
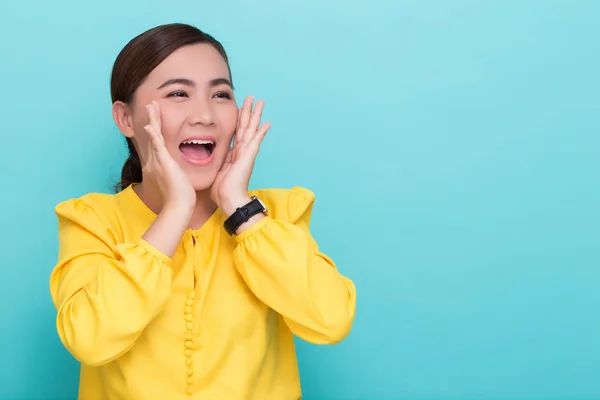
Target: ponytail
point(132, 169)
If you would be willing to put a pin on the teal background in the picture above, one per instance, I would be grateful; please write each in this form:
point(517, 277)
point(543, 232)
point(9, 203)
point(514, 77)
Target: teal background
point(453, 147)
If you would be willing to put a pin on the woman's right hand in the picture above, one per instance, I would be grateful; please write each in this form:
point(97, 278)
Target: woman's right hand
point(158, 165)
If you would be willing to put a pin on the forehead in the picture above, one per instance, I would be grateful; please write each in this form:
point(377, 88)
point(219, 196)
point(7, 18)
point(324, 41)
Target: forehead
point(198, 62)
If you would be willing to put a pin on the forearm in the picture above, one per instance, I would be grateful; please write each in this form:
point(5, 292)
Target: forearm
point(107, 291)
point(167, 229)
point(282, 265)
point(105, 304)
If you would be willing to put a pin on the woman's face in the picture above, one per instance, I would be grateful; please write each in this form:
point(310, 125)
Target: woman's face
point(197, 109)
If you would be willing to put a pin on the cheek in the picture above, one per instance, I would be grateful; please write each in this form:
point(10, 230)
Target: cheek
point(171, 122)
point(228, 117)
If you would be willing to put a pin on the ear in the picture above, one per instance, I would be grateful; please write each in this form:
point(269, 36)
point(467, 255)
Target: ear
point(123, 118)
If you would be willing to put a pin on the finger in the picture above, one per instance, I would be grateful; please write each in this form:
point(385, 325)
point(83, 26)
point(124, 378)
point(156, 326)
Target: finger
point(228, 156)
point(155, 120)
point(155, 143)
point(261, 133)
point(145, 154)
point(255, 120)
point(222, 172)
point(156, 123)
point(234, 137)
point(239, 117)
point(232, 145)
point(250, 150)
point(235, 149)
point(147, 157)
point(245, 114)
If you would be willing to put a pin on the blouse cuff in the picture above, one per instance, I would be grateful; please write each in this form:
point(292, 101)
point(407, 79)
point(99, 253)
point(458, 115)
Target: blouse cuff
point(155, 252)
point(253, 229)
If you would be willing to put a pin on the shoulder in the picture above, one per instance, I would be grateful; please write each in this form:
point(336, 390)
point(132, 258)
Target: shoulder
point(290, 204)
point(89, 206)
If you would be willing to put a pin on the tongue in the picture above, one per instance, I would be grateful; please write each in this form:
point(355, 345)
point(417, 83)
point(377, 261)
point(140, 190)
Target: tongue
point(194, 151)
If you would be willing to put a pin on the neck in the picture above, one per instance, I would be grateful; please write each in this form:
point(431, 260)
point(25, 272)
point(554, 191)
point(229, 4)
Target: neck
point(204, 208)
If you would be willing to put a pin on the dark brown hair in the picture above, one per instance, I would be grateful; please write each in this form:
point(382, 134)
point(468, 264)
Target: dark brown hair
point(136, 61)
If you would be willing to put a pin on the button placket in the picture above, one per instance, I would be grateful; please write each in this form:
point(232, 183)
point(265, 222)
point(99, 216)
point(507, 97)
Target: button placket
point(190, 310)
point(188, 343)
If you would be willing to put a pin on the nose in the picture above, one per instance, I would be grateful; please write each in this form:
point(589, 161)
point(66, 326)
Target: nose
point(201, 112)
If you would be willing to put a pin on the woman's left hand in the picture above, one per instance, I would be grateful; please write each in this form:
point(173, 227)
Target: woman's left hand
point(230, 189)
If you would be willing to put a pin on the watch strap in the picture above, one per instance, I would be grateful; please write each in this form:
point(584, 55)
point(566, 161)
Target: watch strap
point(243, 214)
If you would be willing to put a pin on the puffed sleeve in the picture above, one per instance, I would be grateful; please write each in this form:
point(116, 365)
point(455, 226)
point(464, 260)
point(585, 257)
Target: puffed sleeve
point(283, 266)
point(105, 292)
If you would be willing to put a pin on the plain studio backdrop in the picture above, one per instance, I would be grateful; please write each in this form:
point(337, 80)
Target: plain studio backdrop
point(453, 147)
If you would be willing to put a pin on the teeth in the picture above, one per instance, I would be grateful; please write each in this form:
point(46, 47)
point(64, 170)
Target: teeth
point(198, 142)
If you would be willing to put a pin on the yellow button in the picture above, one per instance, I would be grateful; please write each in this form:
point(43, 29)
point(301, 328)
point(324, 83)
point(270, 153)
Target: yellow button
point(189, 318)
point(188, 353)
point(190, 372)
point(189, 326)
point(192, 295)
point(190, 380)
point(188, 362)
point(187, 310)
point(189, 336)
point(189, 302)
point(189, 390)
point(188, 344)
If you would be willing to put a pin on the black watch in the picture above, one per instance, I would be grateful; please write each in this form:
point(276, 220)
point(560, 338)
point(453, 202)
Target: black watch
point(243, 214)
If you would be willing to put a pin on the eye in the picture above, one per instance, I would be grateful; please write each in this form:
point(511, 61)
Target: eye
point(223, 95)
point(178, 93)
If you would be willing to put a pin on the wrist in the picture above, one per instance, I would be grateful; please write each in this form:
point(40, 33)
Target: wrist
point(252, 211)
point(229, 205)
point(178, 210)
point(253, 220)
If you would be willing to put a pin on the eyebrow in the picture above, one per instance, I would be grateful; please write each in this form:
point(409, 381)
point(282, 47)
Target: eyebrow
point(191, 83)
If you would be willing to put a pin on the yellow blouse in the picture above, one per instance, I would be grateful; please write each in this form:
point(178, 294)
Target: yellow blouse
point(213, 322)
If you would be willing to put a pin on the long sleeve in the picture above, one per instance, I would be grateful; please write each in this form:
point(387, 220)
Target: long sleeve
point(105, 292)
point(282, 265)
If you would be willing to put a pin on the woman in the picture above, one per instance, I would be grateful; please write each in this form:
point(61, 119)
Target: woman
point(185, 284)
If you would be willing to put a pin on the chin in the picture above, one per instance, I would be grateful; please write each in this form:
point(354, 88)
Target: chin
point(201, 182)
point(201, 170)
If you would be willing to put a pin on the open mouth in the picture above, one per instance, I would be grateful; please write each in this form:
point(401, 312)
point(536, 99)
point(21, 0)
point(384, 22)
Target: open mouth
point(197, 149)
